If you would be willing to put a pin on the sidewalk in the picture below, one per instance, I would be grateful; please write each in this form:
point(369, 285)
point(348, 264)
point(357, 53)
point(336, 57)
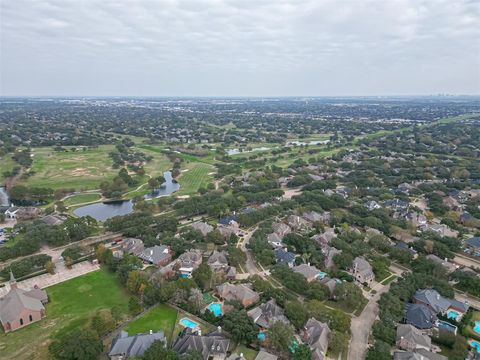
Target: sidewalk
point(62, 274)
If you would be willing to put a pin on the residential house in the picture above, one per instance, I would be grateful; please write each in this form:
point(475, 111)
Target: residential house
point(440, 304)
point(308, 271)
point(241, 292)
point(331, 284)
point(448, 266)
point(212, 346)
point(284, 257)
point(404, 188)
point(473, 245)
point(411, 339)
point(158, 255)
point(440, 229)
point(281, 229)
point(27, 213)
point(330, 253)
point(204, 228)
point(19, 308)
point(466, 218)
point(218, 261)
point(451, 203)
point(421, 354)
point(267, 314)
point(132, 246)
point(325, 238)
point(362, 271)
point(420, 316)
point(188, 262)
point(372, 205)
point(397, 205)
point(416, 218)
point(274, 240)
point(313, 216)
point(126, 347)
point(297, 223)
point(316, 334)
point(404, 246)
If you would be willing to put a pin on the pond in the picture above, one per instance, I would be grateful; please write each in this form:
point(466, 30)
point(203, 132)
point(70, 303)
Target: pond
point(102, 211)
point(4, 199)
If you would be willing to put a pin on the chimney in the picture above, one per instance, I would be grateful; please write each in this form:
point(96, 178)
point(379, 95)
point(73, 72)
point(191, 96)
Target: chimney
point(151, 332)
point(199, 332)
point(219, 329)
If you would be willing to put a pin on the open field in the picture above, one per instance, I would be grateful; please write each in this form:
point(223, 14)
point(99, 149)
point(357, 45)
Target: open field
point(195, 177)
point(6, 164)
point(71, 304)
point(162, 317)
point(82, 198)
point(80, 170)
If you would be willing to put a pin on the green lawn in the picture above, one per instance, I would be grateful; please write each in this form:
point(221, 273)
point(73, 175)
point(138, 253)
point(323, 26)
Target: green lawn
point(162, 317)
point(248, 354)
point(71, 304)
point(196, 176)
point(6, 164)
point(82, 198)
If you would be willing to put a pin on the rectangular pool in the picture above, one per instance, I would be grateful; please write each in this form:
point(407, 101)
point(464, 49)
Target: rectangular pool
point(186, 322)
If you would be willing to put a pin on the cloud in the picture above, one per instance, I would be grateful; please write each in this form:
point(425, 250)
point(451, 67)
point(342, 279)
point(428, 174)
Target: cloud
point(239, 47)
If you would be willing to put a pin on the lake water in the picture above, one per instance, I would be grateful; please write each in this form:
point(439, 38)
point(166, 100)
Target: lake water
point(4, 199)
point(102, 211)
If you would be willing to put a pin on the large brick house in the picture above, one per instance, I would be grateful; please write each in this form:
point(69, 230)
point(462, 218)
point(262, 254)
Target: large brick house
point(20, 308)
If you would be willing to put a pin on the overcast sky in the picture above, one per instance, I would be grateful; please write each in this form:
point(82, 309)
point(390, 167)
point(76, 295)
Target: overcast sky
point(239, 47)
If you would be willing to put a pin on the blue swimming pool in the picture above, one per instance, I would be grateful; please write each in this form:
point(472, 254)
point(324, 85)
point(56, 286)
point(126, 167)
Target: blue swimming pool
point(262, 336)
point(477, 327)
point(475, 344)
point(216, 309)
point(454, 315)
point(322, 275)
point(186, 322)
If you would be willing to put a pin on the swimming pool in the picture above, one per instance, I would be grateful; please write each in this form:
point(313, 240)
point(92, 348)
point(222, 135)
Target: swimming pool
point(444, 325)
point(186, 322)
point(216, 309)
point(262, 336)
point(454, 315)
point(477, 327)
point(475, 344)
point(321, 275)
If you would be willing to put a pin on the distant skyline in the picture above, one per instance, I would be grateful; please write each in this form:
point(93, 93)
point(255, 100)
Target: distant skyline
point(239, 48)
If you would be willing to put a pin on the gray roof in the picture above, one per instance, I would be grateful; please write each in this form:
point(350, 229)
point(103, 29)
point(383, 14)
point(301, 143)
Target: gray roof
point(413, 335)
point(437, 302)
point(308, 271)
point(218, 259)
point(155, 254)
point(52, 220)
point(267, 314)
point(240, 292)
point(474, 242)
point(420, 316)
point(263, 355)
point(316, 335)
point(17, 300)
point(136, 345)
point(204, 228)
point(208, 345)
point(284, 257)
point(133, 246)
point(420, 354)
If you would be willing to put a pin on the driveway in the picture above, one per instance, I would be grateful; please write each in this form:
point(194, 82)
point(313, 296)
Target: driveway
point(362, 325)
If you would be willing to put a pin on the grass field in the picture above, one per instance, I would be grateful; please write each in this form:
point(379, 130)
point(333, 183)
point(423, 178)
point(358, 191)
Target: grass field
point(82, 198)
point(162, 317)
point(248, 354)
point(6, 164)
point(71, 304)
point(196, 176)
point(80, 170)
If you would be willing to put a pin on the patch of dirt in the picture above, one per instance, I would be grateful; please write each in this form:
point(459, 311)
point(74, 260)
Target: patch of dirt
point(80, 172)
point(183, 196)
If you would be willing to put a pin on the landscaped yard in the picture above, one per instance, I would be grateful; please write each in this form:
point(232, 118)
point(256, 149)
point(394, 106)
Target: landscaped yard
point(71, 304)
point(248, 354)
point(475, 317)
point(162, 317)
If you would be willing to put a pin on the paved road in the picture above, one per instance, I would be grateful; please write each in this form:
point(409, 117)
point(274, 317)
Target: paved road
point(463, 260)
point(362, 325)
point(250, 266)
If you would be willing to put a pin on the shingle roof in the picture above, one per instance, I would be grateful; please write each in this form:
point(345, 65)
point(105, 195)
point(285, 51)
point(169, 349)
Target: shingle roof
point(306, 270)
point(414, 335)
point(136, 345)
point(317, 335)
point(420, 316)
point(17, 300)
point(432, 298)
point(155, 254)
point(263, 355)
point(474, 242)
point(267, 314)
point(284, 257)
point(208, 345)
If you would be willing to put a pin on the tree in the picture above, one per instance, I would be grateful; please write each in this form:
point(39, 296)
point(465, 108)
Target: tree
point(158, 351)
point(134, 305)
point(281, 335)
point(192, 355)
point(103, 322)
point(379, 351)
point(296, 313)
point(337, 342)
point(303, 352)
point(68, 262)
point(153, 183)
point(236, 256)
point(50, 267)
point(240, 326)
point(349, 294)
point(203, 275)
point(81, 344)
